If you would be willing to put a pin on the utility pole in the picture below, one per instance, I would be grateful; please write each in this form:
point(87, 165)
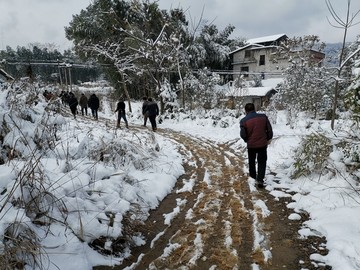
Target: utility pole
point(69, 67)
point(66, 79)
point(60, 77)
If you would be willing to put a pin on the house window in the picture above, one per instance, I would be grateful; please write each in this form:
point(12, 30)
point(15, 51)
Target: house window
point(262, 60)
point(247, 54)
point(245, 70)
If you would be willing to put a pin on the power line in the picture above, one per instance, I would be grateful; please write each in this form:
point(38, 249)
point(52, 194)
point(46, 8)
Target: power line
point(63, 64)
point(57, 64)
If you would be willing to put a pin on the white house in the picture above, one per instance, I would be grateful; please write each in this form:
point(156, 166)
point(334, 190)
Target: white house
point(257, 57)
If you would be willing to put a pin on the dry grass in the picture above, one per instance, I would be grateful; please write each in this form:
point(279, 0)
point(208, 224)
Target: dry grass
point(21, 248)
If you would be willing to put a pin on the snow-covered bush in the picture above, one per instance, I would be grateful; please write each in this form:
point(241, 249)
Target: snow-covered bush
point(352, 96)
point(312, 155)
point(200, 90)
point(169, 96)
point(83, 179)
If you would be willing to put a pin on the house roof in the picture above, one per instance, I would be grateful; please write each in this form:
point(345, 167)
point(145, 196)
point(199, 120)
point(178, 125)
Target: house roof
point(269, 86)
point(260, 42)
point(245, 47)
point(266, 39)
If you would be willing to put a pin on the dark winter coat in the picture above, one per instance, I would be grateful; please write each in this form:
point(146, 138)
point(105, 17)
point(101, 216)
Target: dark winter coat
point(93, 102)
point(256, 130)
point(120, 107)
point(144, 107)
point(73, 102)
point(152, 109)
point(83, 101)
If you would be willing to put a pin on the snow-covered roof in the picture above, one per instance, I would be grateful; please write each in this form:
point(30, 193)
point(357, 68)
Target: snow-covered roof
point(265, 39)
point(259, 41)
point(246, 46)
point(272, 82)
point(267, 86)
point(256, 91)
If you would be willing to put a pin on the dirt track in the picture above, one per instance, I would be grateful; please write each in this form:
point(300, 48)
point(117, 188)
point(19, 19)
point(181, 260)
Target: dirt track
point(219, 224)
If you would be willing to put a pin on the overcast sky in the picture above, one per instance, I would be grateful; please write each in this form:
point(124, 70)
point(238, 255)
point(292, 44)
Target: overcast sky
point(29, 21)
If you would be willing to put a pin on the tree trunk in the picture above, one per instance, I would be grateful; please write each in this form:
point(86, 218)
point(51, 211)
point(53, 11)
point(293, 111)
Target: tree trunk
point(126, 92)
point(345, 25)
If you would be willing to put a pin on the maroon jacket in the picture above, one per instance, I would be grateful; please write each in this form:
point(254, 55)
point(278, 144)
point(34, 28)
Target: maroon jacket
point(256, 130)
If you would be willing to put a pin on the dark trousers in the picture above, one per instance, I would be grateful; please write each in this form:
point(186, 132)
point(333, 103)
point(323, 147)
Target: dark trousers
point(94, 113)
point(122, 116)
point(83, 109)
point(73, 111)
point(152, 119)
point(145, 118)
point(259, 155)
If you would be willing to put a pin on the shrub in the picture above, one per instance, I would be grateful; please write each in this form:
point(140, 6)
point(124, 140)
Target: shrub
point(312, 155)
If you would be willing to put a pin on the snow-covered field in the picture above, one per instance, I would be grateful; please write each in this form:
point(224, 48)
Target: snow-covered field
point(93, 174)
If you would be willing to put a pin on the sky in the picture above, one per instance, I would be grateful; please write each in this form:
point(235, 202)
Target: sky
point(29, 21)
point(69, 170)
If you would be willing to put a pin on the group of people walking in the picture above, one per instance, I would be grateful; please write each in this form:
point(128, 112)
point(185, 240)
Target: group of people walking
point(255, 128)
point(150, 110)
point(92, 102)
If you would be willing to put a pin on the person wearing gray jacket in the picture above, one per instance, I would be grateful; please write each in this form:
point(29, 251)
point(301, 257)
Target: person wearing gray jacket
point(83, 102)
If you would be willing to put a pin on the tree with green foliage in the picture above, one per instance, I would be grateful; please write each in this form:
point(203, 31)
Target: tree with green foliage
point(42, 62)
point(142, 46)
point(137, 40)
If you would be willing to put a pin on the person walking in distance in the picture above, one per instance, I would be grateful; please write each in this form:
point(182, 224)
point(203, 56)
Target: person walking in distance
point(256, 131)
point(83, 104)
point(152, 110)
point(144, 112)
point(120, 109)
point(73, 103)
point(94, 104)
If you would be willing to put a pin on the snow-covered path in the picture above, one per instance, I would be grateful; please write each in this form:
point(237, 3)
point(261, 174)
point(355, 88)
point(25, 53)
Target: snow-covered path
point(216, 219)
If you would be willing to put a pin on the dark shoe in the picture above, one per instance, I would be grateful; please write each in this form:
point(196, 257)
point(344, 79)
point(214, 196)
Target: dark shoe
point(260, 184)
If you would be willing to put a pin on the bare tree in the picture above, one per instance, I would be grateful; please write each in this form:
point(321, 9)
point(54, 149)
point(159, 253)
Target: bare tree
point(345, 25)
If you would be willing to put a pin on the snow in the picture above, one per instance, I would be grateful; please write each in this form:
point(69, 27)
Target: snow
point(267, 85)
point(88, 188)
point(265, 39)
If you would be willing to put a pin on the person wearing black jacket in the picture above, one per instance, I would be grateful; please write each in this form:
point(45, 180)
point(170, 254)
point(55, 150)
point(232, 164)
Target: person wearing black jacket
point(73, 103)
point(256, 131)
point(152, 110)
point(120, 109)
point(94, 104)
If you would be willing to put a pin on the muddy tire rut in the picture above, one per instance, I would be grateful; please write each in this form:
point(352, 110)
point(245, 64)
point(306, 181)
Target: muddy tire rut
point(218, 223)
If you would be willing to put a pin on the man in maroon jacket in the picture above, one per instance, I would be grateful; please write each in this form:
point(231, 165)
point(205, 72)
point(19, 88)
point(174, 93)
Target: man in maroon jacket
point(256, 131)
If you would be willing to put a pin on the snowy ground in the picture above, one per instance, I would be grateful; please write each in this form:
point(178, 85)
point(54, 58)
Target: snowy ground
point(139, 167)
